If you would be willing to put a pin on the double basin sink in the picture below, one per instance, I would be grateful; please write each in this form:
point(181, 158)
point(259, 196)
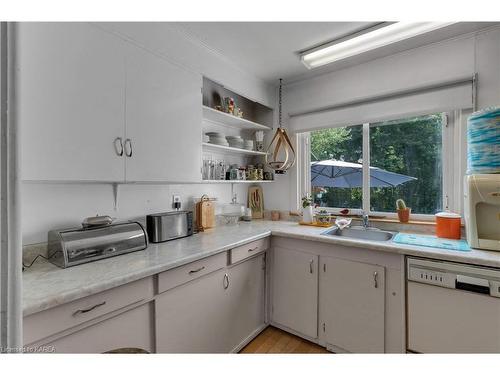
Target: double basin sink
point(361, 233)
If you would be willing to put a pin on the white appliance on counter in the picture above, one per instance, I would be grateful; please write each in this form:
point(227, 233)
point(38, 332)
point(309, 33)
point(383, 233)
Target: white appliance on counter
point(482, 211)
point(452, 307)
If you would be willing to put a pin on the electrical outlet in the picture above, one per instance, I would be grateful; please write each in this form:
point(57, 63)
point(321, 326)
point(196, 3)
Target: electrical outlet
point(176, 202)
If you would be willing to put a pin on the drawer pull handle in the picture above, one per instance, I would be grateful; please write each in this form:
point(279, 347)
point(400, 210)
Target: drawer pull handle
point(311, 265)
point(375, 279)
point(198, 270)
point(225, 282)
point(83, 311)
point(253, 249)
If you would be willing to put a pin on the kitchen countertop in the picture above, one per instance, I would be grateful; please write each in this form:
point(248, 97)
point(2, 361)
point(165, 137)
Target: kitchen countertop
point(46, 285)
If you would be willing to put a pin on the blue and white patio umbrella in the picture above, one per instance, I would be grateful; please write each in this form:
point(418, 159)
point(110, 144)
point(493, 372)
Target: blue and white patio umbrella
point(341, 174)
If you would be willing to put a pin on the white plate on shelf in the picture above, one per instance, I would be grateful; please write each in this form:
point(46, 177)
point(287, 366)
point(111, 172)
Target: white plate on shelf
point(215, 134)
point(219, 143)
point(217, 140)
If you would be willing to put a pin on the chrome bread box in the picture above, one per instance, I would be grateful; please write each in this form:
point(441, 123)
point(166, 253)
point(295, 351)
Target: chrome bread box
point(167, 226)
point(69, 247)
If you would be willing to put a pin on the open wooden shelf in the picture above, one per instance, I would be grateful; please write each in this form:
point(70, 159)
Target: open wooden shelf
point(227, 119)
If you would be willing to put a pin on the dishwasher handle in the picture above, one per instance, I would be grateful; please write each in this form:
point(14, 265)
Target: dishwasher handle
point(472, 284)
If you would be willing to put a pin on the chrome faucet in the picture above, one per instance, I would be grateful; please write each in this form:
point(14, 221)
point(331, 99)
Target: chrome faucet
point(366, 219)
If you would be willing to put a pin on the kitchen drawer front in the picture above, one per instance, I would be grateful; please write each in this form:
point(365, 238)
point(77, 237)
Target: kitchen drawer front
point(49, 322)
point(131, 331)
point(183, 274)
point(248, 250)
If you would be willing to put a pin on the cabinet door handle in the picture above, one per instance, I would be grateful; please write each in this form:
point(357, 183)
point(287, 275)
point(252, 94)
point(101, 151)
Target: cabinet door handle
point(253, 249)
point(83, 311)
point(118, 146)
point(129, 142)
point(225, 282)
point(311, 265)
point(197, 270)
point(375, 279)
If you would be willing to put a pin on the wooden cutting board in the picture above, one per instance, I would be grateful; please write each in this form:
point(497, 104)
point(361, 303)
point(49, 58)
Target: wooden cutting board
point(205, 214)
point(256, 202)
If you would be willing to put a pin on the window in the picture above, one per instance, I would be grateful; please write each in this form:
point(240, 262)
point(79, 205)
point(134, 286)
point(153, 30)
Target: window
point(403, 158)
point(329, 187)
point(409, 147)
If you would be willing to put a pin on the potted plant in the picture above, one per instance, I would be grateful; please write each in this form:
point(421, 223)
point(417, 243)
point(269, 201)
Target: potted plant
point(307, 209)
point(403, 211)
point(323, 217)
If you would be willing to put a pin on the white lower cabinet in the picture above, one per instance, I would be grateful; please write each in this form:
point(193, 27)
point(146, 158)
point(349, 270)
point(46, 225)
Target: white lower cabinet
point(344, 298)
point(131, 331)
point(352, 298)
point(295, 290)
point(191, 317)
point(214, 313)
point(246, 308)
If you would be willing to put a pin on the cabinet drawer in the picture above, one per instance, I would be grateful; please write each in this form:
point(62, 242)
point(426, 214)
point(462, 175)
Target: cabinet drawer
point(131, 330)
point(248, 250)
point(183, 274)
point(49, 322)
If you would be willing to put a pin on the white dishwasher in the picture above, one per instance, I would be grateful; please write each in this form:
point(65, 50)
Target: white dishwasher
point(452, 307)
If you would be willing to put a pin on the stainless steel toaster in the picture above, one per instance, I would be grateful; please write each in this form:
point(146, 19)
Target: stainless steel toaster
point(69, 247)
point(167, 226)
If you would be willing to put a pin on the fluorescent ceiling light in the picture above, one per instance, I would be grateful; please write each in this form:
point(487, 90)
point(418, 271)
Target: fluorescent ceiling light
point(371, 40)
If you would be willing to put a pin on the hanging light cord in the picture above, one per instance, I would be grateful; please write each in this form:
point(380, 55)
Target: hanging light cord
point(279, 105)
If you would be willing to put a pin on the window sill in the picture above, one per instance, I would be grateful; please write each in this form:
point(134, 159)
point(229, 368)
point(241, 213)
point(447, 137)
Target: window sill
point(426, 223)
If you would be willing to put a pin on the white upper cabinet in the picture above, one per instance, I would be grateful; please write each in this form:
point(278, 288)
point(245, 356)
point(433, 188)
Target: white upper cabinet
point(163, 120)
point(71, 87)
point(94, 108)
point(352, 299)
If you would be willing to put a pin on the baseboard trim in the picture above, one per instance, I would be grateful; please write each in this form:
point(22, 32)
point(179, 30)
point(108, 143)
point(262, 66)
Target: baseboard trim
point(253, 335)
point(316, 341)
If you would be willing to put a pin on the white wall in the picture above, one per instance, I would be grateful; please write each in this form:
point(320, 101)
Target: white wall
point(49, 206)
point(458, 57)
point(52, 206)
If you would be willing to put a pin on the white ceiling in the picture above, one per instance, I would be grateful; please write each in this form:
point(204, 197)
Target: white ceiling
point(269, 50)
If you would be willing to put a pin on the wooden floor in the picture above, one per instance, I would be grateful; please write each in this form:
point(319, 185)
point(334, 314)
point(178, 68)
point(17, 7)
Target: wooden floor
point(274, 340)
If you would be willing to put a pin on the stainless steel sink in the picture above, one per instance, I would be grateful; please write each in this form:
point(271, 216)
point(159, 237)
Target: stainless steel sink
point(360, 233)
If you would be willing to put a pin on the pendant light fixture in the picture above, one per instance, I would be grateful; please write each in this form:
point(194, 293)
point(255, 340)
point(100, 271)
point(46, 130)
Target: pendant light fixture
point(280, 154)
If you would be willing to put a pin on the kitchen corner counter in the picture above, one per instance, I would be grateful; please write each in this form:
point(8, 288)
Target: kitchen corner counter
point(46, 286)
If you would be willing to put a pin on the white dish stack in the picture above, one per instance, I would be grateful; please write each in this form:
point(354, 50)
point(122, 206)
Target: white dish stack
point(235, 141)
point(248, 144)
point(217, 139)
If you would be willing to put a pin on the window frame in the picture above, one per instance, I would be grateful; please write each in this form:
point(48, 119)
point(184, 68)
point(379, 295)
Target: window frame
point(453, 168)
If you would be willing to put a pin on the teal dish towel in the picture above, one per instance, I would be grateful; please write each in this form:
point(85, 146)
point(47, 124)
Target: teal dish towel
point(431, 241)
point(483, 141)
